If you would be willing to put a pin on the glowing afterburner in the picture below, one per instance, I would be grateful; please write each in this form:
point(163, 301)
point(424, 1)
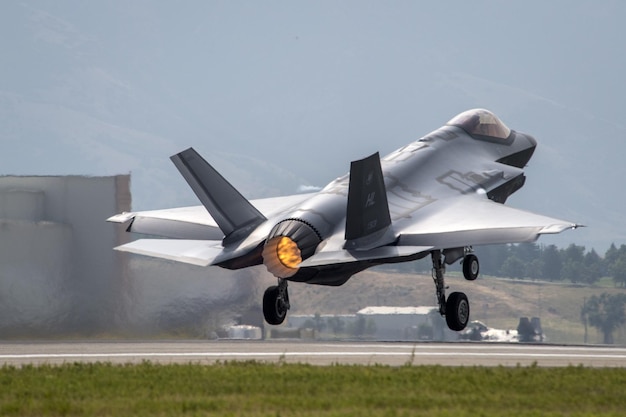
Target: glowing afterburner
point(282, 256)
point(288, 252)
point(289, 243)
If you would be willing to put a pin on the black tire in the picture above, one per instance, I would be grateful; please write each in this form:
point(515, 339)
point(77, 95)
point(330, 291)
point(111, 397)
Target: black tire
point(457, 311)
point(274, 309)
point(471, 267)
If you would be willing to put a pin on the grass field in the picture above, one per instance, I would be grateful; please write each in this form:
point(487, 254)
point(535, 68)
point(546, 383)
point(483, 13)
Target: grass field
point(255, 389)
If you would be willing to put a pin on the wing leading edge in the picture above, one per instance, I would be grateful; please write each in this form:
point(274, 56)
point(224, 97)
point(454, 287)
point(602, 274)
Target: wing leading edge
point(475, 220)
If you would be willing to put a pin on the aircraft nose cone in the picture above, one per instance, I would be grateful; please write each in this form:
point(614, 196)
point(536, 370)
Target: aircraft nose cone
point(528, 153)
point(523, 149)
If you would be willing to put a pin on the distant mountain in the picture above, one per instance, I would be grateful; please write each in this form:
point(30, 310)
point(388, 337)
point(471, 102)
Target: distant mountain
point(282, 95)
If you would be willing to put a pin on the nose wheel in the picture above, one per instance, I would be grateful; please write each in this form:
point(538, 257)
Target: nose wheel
point(276, 303)
point(456, 308)
point(470, 267)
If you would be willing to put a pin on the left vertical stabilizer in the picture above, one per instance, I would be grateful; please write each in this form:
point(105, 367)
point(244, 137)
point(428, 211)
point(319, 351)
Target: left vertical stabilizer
point(234, 215)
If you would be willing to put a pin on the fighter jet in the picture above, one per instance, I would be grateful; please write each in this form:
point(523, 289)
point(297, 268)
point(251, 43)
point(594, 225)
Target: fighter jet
point(438, 196)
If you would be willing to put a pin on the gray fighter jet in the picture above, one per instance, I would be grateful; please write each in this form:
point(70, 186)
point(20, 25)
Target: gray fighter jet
point(437, 196)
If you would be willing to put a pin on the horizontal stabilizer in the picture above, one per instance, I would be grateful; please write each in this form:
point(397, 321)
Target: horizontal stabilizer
point(195, 252)
point(195, 222)
point(178, 223)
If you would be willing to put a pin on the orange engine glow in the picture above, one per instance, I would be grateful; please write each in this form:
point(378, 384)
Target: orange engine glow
point(281, 256)
point(288, 252)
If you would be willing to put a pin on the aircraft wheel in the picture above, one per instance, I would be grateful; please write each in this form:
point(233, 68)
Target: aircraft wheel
point(470, 267)
point(457, 311)
point(274, 307)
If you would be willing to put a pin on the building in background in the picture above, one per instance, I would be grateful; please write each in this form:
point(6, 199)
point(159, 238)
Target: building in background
point(58, 273)
point(407, 323)
point(379, 323)
point(60, 277)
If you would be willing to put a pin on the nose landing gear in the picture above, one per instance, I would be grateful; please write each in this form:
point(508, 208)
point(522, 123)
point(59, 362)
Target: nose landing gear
point(470, 267)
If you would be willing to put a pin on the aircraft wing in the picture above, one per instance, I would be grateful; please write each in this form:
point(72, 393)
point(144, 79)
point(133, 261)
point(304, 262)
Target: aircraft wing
point(195, 223)
point(195, 252)
point(474, 220)
point(449, 223)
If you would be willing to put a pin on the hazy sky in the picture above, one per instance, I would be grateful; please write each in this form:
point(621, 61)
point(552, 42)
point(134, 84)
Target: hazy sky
point(282, 93)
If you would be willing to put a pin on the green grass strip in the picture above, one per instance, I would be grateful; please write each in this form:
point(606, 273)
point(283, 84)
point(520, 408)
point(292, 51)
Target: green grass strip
point(256, 389)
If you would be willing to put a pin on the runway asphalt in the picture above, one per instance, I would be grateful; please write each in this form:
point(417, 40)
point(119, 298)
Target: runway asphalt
point(316, 353)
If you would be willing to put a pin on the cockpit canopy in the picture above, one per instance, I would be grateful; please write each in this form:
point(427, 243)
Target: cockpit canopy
point(481, 122)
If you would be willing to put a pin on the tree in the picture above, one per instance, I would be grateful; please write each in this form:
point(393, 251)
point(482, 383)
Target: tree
point(552, 263)
point(492, 258)
point(595, 267)
point(605, 313)
point(618, 270)
point(611, 255)
point(513, 267)
point(573, 253)
point(574, 268)
point(575, 271)
point(615, 264)
point(527, 252)
point(534, 269)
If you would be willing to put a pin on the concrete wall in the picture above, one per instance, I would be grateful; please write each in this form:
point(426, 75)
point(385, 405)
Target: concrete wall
point(35, 274)
point(58, 273)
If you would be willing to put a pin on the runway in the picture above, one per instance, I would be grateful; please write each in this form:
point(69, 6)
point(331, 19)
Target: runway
point(316, 353)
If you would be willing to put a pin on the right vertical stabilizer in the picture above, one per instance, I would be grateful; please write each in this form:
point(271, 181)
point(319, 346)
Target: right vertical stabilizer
point(367, 219)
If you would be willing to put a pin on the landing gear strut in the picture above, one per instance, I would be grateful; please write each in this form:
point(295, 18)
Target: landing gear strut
point(456, 309)
point(276, 303)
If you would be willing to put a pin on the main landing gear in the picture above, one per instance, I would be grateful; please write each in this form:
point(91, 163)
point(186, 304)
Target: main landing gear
point(276, 303)
point(456, 308)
